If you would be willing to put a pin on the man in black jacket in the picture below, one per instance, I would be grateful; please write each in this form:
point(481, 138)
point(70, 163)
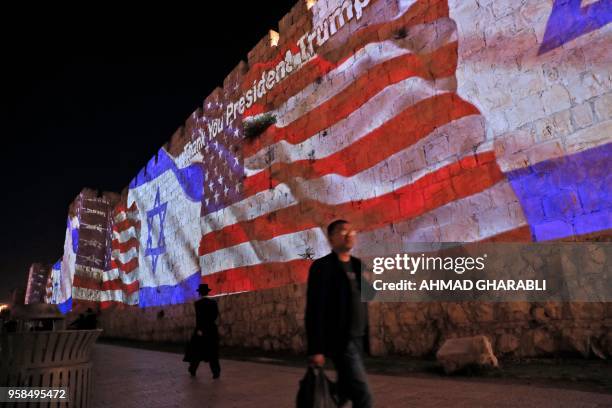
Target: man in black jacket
point(204, 345)
point(336, 318)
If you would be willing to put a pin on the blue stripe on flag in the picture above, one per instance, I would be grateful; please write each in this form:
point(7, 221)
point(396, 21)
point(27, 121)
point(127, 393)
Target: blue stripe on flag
point(567, 196)
point(569, 20)
point(66, 306)
point(182, 292)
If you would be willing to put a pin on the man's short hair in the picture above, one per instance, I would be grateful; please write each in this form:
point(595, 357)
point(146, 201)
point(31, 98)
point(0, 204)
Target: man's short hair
point(335, 224)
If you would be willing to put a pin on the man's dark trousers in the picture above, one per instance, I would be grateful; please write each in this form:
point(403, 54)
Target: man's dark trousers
point(215, 367)
point(352, 381)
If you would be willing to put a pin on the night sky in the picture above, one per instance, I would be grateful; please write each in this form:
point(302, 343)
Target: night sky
point(88, 98)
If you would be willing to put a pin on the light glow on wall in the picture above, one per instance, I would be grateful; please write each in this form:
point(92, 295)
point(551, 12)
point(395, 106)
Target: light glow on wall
point(395, 120)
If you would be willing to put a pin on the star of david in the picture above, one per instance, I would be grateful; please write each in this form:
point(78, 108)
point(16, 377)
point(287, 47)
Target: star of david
point(158, 211)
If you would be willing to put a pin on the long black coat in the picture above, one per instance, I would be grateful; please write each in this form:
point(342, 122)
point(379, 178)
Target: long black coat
point(205, 347)
point(328, 305)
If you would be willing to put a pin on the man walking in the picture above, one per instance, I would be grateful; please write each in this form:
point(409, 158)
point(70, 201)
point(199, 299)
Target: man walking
point(204, 345)
point(336, 318)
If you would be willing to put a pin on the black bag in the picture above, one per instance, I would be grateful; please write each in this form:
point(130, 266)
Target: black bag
point(196, 349)
point(316, 390)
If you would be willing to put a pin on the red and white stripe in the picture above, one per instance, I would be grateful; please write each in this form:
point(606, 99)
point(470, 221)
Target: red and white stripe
point(427, 38)
point(120, 283)
point(382, 140)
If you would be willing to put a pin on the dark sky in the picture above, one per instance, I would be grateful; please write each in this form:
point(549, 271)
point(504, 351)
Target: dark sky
point(88, 97)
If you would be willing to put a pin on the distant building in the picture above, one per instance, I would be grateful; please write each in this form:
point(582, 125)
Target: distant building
point(36, 289)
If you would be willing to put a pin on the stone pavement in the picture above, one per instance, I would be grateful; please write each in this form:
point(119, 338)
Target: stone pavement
point(130, 377)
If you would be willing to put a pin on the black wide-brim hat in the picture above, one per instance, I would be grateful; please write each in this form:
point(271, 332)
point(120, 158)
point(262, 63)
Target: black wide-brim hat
point(203, 288)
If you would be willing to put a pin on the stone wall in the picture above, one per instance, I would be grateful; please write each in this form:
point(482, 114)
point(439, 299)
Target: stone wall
point(420, 121)
point(273, 319)
point(516, 329)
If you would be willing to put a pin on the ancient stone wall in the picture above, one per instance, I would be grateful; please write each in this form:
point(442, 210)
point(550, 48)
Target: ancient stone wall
point(419, 121)
point(273, 319)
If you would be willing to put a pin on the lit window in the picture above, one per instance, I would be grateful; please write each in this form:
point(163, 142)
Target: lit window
point(274, 37)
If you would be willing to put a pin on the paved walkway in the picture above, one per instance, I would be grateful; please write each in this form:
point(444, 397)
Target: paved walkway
point(129, 377)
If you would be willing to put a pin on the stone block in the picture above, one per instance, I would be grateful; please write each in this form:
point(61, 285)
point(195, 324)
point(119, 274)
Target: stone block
point(582, 116)
point(457, 315)
point(542, 342)
point(456, 354)
point(507, 343)
point(555, 99)
point(603, 107)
